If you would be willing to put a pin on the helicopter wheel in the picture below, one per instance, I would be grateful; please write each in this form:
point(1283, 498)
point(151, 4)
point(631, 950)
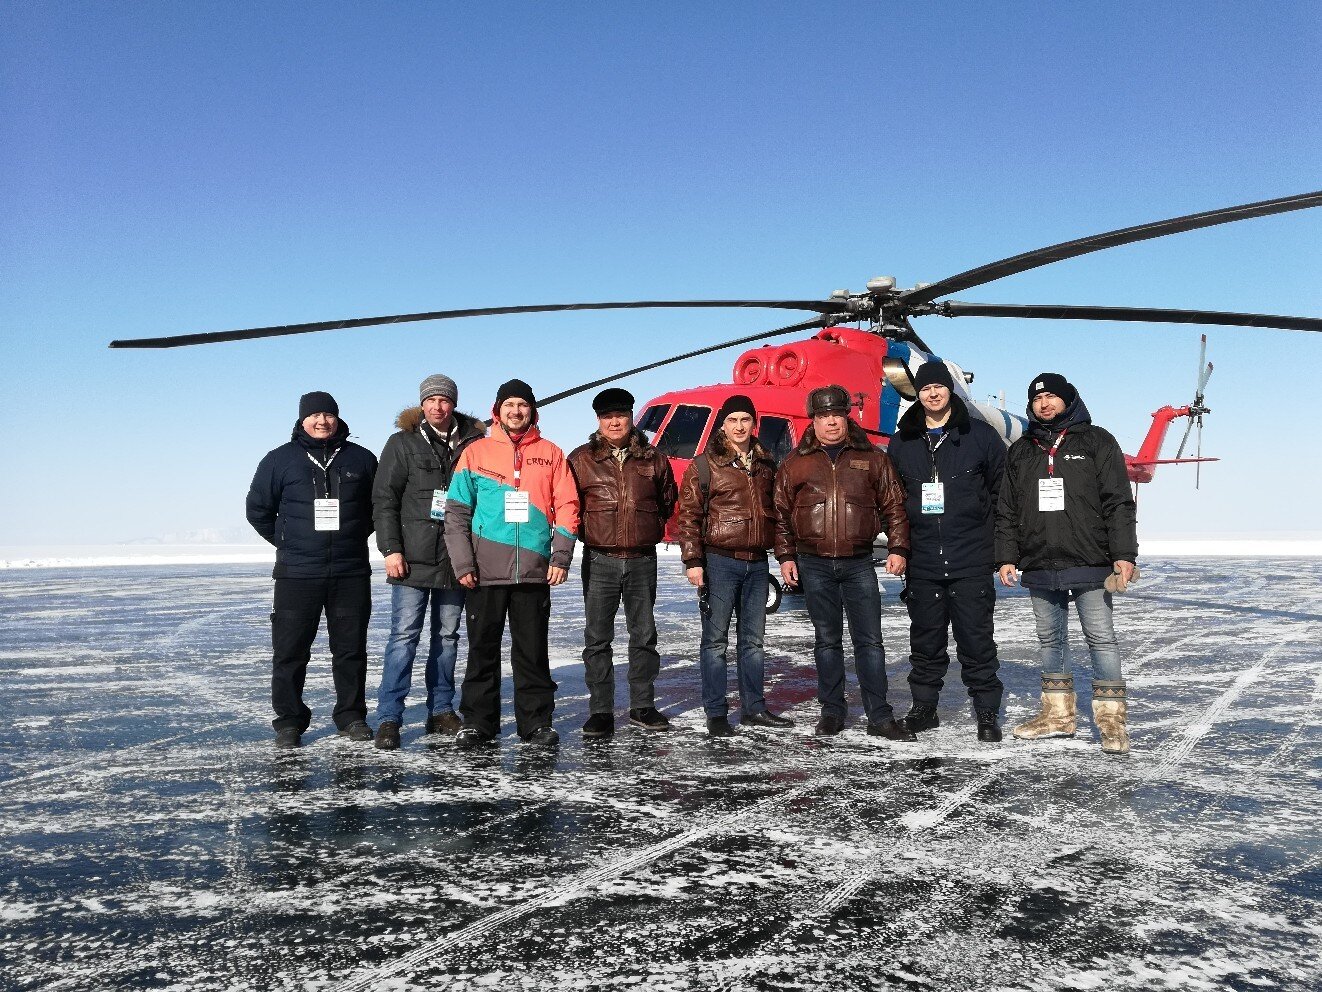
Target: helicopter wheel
point(774, 593)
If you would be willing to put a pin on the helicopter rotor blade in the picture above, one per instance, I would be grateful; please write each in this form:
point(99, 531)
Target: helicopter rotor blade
point(1202, 358)
point(789, 329)
point(247, 334)
point(1184, 440)
point(1110, 239)
point(1198, 466)
point(1202, 379)
point(956, 308)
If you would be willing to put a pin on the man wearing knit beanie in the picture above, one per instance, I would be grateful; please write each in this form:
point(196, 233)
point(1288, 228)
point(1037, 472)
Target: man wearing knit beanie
point(1066, 520)
point(409, 500)
point(312, 499)
point(626, 492)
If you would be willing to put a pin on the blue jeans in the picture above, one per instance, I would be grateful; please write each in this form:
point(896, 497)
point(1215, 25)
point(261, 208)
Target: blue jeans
point(1051, 609)
point(834, 588)
point(734, 589)
point(607, 582)
point(408, 610)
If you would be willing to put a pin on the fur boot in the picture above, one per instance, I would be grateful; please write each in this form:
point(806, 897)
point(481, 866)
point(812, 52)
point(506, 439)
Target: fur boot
point(1057, 718)
point(1109, 710)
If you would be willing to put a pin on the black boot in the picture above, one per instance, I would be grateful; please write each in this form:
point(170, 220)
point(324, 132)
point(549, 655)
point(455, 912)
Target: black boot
point(989, 730)
point(719, 726)
point(892, 730)
point(922, 716)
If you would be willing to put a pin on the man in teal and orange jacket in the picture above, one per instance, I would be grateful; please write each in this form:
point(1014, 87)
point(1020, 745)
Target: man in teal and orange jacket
point(510, 520)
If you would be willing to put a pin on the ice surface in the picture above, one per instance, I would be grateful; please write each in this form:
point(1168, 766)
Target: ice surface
point(154, 839)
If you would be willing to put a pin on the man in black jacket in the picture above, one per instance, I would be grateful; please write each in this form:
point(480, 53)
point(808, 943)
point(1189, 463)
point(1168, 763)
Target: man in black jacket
point(312, 499)
point(951, 466)
point(1066, 519)
point(409, 511)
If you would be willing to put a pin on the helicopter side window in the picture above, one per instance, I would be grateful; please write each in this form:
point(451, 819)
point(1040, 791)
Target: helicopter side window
point(775, 435)
point(682, 435)
point(652, 419)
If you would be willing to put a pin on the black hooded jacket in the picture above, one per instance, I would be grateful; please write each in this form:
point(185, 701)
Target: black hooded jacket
point(280, 505)
point(1071, 548)
point(970, 463)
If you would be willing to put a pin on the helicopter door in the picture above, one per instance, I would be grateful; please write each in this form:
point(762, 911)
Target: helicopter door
point(684, 432)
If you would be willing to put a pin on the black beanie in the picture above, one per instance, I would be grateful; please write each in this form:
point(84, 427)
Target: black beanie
point(933, 373)
point(317, 402)
point(612, 400)
point(1052, 382)
point(738, 403)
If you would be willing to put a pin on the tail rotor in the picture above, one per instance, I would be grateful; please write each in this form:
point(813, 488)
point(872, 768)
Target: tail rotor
point(1197, 410)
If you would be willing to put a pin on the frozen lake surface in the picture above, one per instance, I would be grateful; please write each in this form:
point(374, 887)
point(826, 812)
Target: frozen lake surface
point(154, 839)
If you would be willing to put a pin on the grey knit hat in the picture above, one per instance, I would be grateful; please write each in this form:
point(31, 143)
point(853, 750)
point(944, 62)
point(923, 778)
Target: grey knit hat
point(438, 385)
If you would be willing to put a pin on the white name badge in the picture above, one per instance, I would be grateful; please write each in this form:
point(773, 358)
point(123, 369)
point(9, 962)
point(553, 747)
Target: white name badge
point(1050, 495)
point(326, 514)
point(516, 506)
point(438, 497)
point(934, 497)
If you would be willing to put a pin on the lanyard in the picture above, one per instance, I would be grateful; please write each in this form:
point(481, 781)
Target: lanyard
point(1051, 453)
point(932, 450)
point(325, 468)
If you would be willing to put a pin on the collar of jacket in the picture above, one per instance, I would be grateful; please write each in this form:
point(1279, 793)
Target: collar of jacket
point(600, 448)
point(719, 451)
point(410, 419)
point(914, 422)
point(856, 438)
point(501, 436)
point(332, 443)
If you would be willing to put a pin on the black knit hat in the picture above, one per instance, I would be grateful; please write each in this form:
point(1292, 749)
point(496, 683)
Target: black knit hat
point(515, 389)
point(933, 373)
point(738, 403)
point(829, 399)
point(1052, 382)
point(317, 402)
point(613, 400)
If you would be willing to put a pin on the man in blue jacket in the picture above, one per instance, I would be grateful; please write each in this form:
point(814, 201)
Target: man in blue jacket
point(312, 499)
point(951, 465)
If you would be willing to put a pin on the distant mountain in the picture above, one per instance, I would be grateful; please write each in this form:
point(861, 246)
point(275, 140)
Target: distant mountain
point(208, 535)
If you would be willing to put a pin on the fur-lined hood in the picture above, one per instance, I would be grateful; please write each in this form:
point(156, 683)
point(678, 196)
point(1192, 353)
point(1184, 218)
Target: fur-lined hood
point(857, 438)
point(718, 449)
point(411, 417)
point(914, 423)
point(600, 448)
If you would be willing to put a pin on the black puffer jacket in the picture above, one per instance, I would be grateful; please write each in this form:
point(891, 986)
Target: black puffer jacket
point(412, 467)
point(280, 504)
point(1072, 548)
point(970, 463)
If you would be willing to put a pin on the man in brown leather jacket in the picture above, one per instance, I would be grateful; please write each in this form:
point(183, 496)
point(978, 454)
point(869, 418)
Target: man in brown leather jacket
point(834, 494)
point(725, 524)
point(626, 493)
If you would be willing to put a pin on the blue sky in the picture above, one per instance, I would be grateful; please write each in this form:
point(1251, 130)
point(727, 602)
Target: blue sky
point(167, 168)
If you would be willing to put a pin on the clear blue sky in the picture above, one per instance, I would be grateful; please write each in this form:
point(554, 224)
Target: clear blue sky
point(171, 167)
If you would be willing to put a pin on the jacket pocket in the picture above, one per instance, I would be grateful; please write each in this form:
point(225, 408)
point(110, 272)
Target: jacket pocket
point(862, 521)
point(810, 519)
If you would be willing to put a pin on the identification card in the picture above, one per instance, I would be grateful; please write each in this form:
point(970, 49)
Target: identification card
point(438, 497)
point(1050, 495)
point(326, 514)
point(934, 497)
point(516, 506)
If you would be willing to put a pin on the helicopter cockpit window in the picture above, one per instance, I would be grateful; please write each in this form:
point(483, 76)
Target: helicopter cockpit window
point(684, 432)
point(774, 433)
point(650, 422)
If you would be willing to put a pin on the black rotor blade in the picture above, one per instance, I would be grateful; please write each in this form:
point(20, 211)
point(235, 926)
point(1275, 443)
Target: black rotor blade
point(214, 337)
point(565, 393)
point(1111, 239)
point(954, 308)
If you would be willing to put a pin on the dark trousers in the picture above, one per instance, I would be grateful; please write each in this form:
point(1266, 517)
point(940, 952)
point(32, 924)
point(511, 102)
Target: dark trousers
point(966, 606)
point(299, 603)
point(606, 582)
point(528, 606)
point(834, 588)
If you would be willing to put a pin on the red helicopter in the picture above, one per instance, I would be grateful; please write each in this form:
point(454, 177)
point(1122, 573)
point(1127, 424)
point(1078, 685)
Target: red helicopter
point(874, 361)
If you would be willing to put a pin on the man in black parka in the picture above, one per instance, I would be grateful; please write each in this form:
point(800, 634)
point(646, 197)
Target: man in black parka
point(312, 499)
point(951, 465)
point(409, 497)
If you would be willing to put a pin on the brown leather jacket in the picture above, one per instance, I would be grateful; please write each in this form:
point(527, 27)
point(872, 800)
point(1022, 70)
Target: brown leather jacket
point(837, 510)
point(622, 508)
point(739, 518)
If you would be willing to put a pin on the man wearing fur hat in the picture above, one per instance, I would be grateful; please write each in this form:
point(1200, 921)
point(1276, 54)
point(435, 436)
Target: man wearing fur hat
point(834, 493)
point(409, 500)
point(726, 524)
point(312, 499)
point(1066, 520)
point(951, 466)
point(626, 493)
point(511, 517)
